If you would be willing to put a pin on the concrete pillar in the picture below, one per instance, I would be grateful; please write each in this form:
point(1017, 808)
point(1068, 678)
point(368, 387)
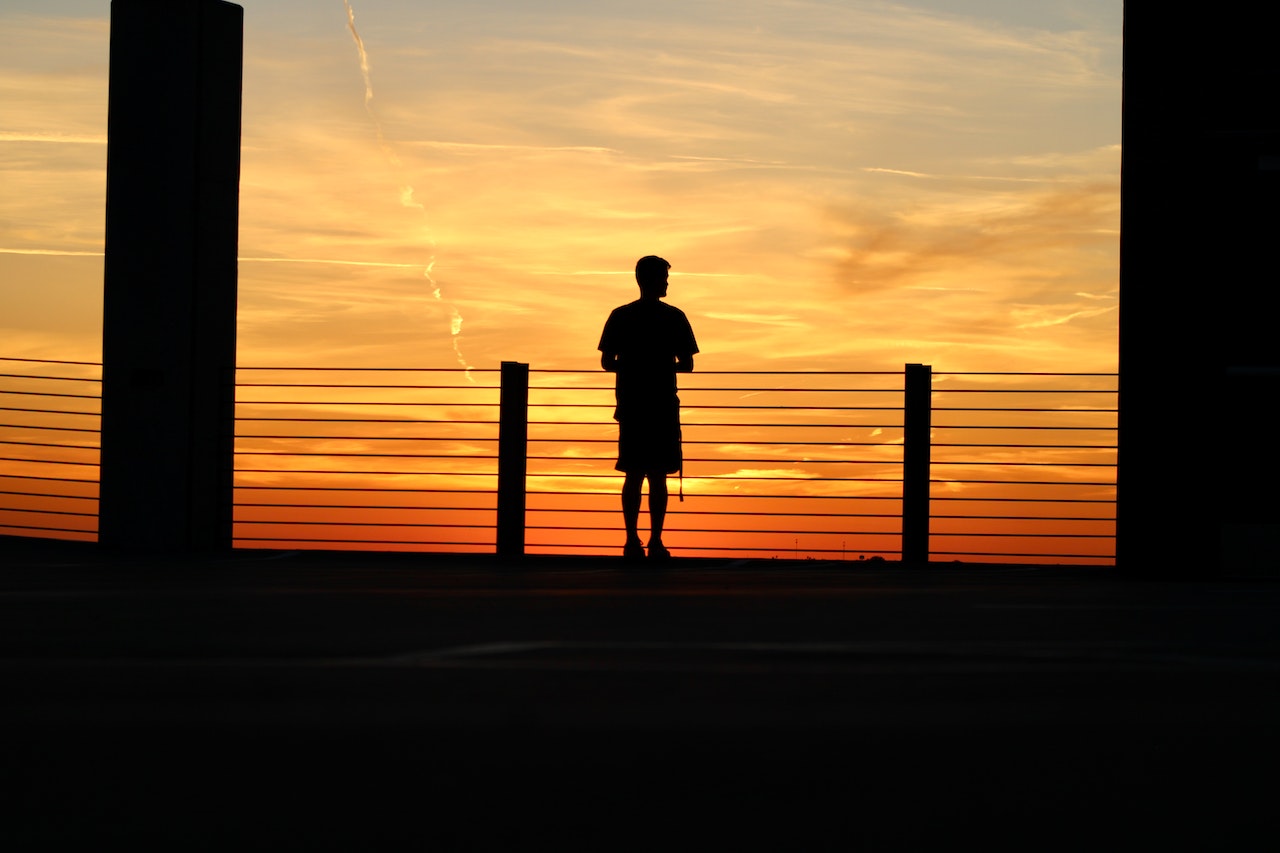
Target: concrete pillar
point(1199, 359)
point(169, 325)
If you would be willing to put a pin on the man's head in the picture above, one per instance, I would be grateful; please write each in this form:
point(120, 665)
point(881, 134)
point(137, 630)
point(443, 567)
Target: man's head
point(651, 275)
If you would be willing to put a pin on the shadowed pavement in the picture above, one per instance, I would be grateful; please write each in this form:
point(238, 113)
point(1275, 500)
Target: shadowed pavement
point(312, 700)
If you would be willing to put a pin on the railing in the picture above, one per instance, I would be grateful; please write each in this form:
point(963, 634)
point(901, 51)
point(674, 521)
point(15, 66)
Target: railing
point(1021, 468)
point(989, 467)
point(375, 459)
point(49, 432)
point(776, 464)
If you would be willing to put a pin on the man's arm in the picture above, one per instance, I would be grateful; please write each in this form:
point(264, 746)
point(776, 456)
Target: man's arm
point(686, 342)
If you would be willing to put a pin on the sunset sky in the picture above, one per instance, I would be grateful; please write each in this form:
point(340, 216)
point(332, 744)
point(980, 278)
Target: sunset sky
point(840, 185)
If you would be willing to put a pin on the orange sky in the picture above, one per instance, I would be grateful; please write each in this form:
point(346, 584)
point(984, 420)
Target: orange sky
point(840, 185)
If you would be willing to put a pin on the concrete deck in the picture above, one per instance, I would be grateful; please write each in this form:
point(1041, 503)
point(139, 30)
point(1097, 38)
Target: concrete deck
point(362, 701)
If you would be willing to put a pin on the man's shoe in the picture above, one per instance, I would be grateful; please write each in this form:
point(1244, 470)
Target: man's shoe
point(633, 551)
point(658, 552)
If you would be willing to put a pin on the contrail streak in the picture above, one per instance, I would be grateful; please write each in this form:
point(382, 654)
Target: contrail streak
point(406, 191)
point(364, 54)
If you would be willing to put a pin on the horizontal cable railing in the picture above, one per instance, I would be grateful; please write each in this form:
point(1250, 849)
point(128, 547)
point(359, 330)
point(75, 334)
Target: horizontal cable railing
point(50, 426)
point(332, 458)
point(788, 464)
point(1024, 464)
point(776, 464)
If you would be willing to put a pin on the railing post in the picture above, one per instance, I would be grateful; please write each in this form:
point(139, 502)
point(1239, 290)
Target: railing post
point(917, 408)
point(513, 447)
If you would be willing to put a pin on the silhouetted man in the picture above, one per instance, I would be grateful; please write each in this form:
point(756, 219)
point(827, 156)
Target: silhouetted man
point(645, 344)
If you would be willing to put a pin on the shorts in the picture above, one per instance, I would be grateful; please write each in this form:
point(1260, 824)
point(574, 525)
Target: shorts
point(650, 444)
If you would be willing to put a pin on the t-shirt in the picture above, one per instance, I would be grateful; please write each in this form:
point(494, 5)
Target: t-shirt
point(647, 335)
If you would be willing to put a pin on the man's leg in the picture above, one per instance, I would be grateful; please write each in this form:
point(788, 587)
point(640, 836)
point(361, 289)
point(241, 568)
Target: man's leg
point(657, 505)
point(631, 507)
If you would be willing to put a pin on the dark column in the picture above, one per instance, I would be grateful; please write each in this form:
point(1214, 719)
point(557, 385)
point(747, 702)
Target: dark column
point(1199, 360)
point(917, 447)
point(169, 324)
point(513, 457)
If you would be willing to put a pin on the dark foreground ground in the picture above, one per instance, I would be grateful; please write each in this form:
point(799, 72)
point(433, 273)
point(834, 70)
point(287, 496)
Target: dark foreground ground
point(355, 702)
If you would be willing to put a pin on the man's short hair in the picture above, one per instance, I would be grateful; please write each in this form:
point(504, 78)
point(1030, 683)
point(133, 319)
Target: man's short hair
point(650, 268)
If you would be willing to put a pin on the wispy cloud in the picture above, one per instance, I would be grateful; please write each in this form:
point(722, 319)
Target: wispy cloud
point(331, 262)
point(836, 183)
point(50, 252)
point(52, 137)
point(1045, 319)
point(962, 237)
point(762, 319)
